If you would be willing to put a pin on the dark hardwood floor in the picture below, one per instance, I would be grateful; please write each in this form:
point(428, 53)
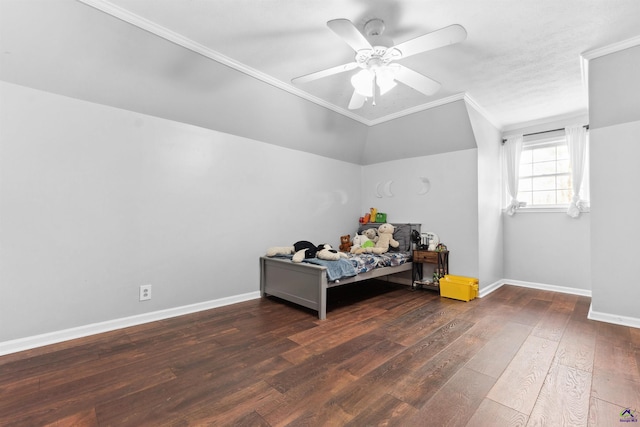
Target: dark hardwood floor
point(386, 355)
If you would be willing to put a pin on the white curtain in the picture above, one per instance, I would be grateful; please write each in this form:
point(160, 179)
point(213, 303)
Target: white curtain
point(577, 143)
point(512, 151)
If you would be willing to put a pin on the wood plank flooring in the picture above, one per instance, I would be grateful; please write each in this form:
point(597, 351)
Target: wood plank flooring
point(386, 355)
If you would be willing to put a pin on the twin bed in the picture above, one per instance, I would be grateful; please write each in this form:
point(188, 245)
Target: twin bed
point(306, 283)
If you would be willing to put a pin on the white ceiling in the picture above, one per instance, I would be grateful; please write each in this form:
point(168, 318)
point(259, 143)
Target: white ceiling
point(520, 62)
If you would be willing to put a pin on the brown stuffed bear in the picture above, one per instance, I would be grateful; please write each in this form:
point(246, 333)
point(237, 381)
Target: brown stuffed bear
point(345, 243)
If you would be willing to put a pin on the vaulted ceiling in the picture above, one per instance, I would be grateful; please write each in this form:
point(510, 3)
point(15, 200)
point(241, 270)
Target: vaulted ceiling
point(520, 61)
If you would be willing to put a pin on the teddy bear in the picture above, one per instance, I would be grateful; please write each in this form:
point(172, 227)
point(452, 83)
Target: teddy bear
point(304, 249)
point(372, 234)
point(361, 241)
point(385, 240)
point(345, 243)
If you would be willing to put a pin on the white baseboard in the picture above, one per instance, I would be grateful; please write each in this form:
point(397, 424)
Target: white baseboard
point(27, 343)
point(486, 290)
point(616, 319)
point(545, 287)
point(632, 322)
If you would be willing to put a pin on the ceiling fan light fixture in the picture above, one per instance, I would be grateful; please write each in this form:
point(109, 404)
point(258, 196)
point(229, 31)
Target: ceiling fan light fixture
point(386, 79)
point(362, 82)
point(386, 85)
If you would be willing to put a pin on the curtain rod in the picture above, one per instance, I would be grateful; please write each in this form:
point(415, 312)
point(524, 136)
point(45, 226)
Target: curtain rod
point(545, 131)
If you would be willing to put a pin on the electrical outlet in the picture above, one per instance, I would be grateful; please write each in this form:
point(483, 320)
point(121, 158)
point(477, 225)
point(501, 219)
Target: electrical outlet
point(145, 292)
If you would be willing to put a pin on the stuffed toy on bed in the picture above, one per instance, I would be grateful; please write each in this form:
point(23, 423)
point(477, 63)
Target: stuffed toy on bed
point(327, 253)
point(361, 241)
point(304, 249)
point(385, 240)
point(372, 234)
point(345, 243)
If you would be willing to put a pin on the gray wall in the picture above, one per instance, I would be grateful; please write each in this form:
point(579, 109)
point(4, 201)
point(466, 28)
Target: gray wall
point(614, 85)
point(96, 201)
point(450, 208)
point(548, 248)
point(71, 49)
point(434, 131)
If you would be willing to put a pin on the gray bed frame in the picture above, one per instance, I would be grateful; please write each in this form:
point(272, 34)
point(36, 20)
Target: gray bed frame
point(306, 284)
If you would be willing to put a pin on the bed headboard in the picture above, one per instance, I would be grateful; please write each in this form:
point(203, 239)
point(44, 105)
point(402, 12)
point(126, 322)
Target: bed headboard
point(401, 233)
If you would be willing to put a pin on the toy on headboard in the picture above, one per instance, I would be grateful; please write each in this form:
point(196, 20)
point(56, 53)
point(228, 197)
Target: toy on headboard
point(373, 212)
point(345, 243)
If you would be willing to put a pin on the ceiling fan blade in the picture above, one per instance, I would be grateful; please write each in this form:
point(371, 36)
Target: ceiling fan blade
point(325, 73)
point(349, 33)
point(357, 101)
point(439, 38)
point(416, 80)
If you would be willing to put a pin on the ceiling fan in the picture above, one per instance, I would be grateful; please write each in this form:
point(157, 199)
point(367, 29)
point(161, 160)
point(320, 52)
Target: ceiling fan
point(376, 55)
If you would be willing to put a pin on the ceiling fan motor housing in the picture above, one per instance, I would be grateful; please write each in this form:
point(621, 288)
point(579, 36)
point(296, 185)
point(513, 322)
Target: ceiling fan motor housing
point(381, 52)
point(373, 31)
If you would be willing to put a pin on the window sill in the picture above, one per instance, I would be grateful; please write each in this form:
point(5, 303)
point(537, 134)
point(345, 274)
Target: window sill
point(546, 209)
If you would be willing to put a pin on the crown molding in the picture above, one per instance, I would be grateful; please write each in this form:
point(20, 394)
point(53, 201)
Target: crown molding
point(418, 108)
point(612, 48)
point(484, 113)
point(180, 40)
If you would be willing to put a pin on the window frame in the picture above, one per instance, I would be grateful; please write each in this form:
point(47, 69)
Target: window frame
point(556, 138)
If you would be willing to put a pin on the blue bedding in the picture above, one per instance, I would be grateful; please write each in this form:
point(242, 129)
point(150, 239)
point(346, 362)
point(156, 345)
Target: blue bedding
point(335, 269)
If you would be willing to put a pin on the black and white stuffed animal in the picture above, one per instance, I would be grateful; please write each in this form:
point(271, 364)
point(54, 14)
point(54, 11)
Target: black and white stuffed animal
point(304, 249)
point(326, 252)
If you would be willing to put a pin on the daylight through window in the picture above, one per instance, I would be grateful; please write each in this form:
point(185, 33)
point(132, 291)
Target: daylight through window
point(545, 177)
point(545, 173)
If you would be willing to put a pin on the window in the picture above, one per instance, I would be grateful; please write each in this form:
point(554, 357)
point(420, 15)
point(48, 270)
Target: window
point(545, 177)
point(545, 173)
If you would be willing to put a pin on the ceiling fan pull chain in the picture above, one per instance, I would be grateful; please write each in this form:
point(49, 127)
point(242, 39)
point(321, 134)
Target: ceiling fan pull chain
point(373, 82)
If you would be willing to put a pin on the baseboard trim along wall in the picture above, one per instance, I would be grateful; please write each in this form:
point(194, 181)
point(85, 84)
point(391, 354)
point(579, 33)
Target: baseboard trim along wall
point(616, 319)
point(545, 287)
point(28, 343)
point(486, 290)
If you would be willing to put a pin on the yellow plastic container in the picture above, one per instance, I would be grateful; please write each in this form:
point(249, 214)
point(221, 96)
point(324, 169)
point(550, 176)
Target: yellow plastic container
point(459, 287)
